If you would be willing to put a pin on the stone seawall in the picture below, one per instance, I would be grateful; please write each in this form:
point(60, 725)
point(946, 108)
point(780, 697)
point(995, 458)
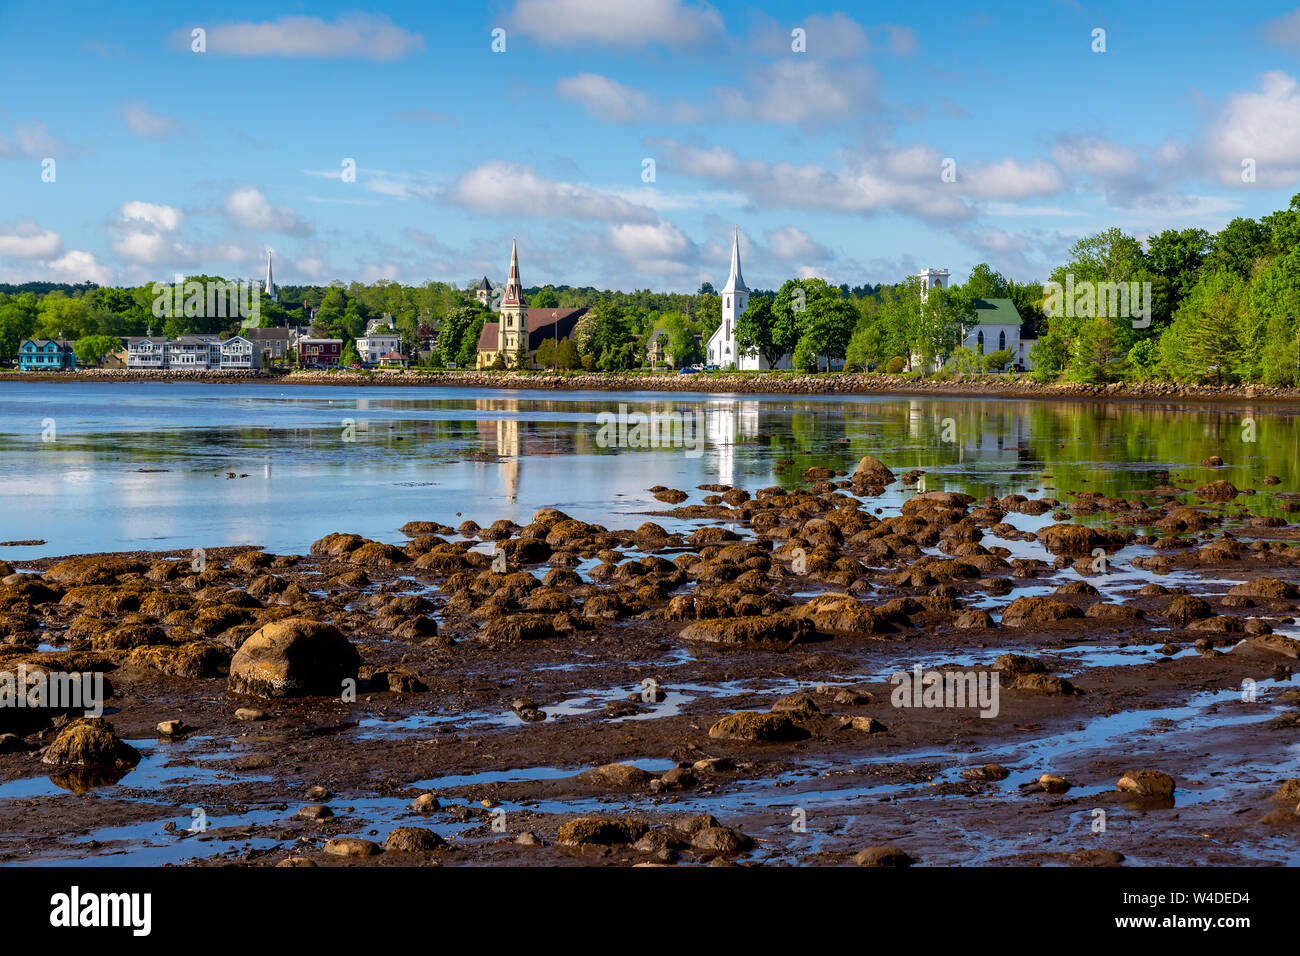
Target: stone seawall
point(768, 383)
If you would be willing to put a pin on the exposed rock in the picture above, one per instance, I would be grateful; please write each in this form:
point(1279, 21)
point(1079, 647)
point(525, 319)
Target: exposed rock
point(293, 657)
point(883, 856)
point(1146, 783)
point(351, 847)
point(1027, 611)
point(752, 727)
point(90, 742)
point(872, 471)
point(600, 830)
point(413, 840)
point(617, 776)
point(773, 629)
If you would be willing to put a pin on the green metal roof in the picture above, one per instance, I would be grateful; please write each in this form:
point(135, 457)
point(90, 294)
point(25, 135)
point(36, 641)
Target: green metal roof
point(996, 312)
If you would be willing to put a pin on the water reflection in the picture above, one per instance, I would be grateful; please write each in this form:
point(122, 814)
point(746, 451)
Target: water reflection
point(150, 465)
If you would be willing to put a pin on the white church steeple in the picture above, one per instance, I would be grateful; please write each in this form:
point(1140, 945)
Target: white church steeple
point(270, 282)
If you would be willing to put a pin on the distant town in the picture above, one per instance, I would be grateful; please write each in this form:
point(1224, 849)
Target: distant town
point(1183, 305)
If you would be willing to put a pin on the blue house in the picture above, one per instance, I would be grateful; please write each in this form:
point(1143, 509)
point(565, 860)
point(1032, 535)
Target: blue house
point(43, 355)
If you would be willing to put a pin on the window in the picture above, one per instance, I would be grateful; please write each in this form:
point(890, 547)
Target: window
point(1002, 340)
point(979, 340)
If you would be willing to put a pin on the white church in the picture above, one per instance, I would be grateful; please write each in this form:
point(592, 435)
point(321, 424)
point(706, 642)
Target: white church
point(997, 325)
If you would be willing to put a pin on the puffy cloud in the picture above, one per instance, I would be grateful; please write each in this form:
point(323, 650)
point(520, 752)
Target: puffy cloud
point(352, 35)
point(837, 36)
point(1260, 126)
point(25, 239)
point(802, 91)
point(658, 248)
point(613, 102)
point(141, 121)
point(904, 180)
point(158, 215)
point(77, 265)
point(645, 22)
point(249, 208)
point(501, 188)
point(792, 243)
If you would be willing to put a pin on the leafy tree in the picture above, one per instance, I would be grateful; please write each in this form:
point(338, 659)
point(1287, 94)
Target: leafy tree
point(350, 355)
point(1208, 337)
point(757, 329)
point(985, 283)
point(545, 298)
point(1237, 247)
point(805, 356)
point(1095, 355)
point(546, 353)
point(91, 349)
point(566, 354)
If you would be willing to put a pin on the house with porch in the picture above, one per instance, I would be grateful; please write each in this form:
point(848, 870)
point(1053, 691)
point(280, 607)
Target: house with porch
point(46, 355)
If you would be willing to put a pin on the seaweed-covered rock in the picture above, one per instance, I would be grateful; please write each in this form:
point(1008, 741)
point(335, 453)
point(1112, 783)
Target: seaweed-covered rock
point(293, 657)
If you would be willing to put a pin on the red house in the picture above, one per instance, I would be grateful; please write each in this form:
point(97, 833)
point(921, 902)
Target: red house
point(320, 351)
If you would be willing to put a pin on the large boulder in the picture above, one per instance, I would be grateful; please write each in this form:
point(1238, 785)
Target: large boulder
point(753, 727)
point(90, 742)
point(94, 569)
point(753, 629)
point(600, 830)
point(292, 658)
point(843, 614)
point(872, 471)
point(1027, 611)
point(1217, 491)
point(1075, 539)
point(1268, 589)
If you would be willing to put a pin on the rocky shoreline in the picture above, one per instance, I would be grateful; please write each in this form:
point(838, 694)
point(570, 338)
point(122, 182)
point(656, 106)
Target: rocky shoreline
point(562, 693)
point(733, 383)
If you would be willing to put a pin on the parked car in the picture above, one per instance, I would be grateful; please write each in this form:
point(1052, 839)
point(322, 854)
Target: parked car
point(713, 368)
point(688, 370)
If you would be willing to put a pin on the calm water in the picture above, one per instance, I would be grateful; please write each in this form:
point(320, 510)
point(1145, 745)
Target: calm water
point(94, 467)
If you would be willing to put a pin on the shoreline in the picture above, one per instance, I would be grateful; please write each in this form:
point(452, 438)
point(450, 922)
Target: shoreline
point(739, 383)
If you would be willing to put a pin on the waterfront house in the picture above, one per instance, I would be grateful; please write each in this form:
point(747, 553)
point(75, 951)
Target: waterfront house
point(46, 355)
point(147, 352)
point(272, 344)
point(239, 353)
point(372, 346)
point(312, 351)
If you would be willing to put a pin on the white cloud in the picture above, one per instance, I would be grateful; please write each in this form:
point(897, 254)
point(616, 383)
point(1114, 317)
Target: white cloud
point(792, 243)
point(500, 188)
point(613, 102)
point(158, 215)
point(353, 35)
point(644, 22)
point(658, 248)
point(77, 265)
point(25, 239)
point(32, 141)
point(250, 209)
point(802, 91)
point(905, 180)
point(141, 121)
point(835, 37)
point(1260, 126)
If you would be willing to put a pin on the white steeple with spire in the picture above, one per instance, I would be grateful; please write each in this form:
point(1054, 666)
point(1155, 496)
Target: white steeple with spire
point(722, 349)
point(270, 282)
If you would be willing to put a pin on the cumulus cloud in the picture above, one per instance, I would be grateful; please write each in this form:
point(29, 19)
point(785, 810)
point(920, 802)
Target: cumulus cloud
point(25, 239)
point(501, 188)
point(657, 248)
point(1260, 126)
point(249, 208)
point(77, 265)
point(802, 92)
point(902, 179)
point(613, 102)
point(792, 243)
point(645, 22)
point(143, 234)
point(158, 215)
point(352, 35)
point(141, 121)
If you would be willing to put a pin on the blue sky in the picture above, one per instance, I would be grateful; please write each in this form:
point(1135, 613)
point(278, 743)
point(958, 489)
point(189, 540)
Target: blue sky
point(829, 160)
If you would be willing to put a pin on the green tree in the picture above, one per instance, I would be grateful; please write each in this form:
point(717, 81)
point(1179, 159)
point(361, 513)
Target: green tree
point(91, 349)
point(758, 329)
point(350, 355)
point(1208, 337)
point(805, 356)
